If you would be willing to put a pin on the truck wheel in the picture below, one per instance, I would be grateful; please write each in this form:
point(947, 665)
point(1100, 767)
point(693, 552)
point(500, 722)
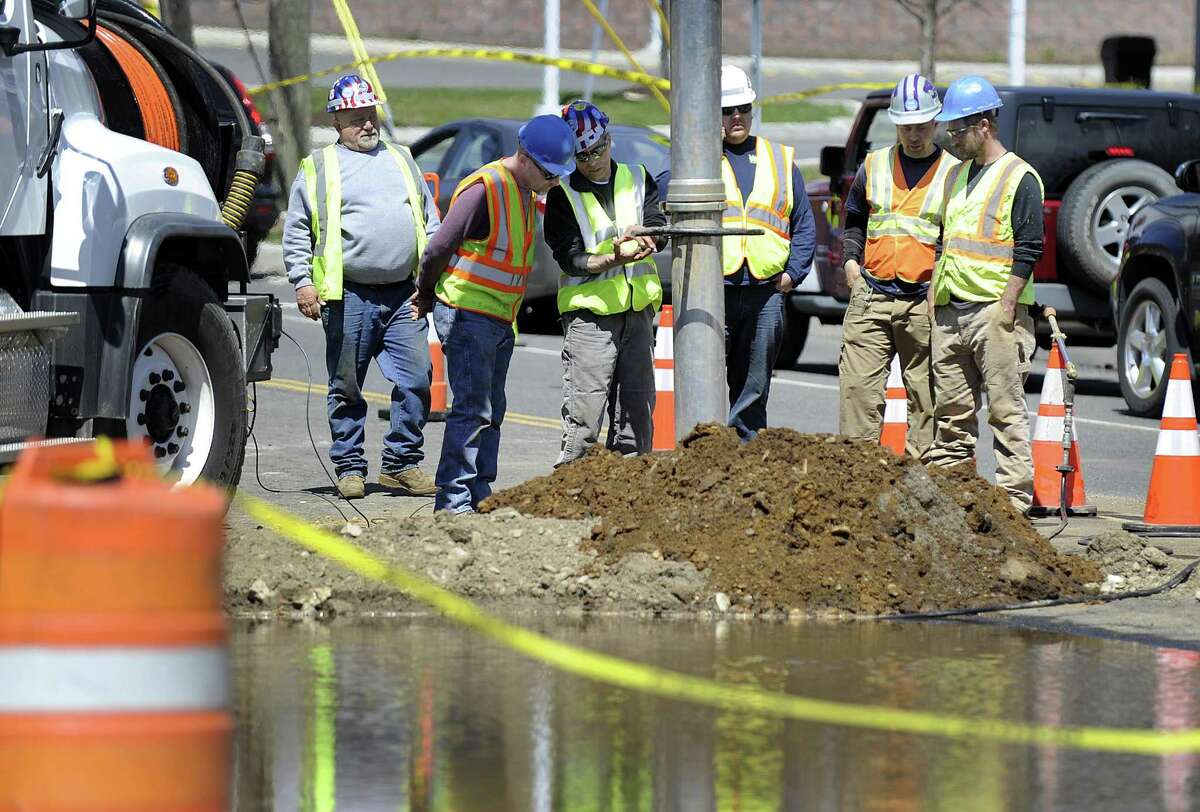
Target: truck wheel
point(187, 395)
point(795, 334)
point(1096, 211)
point(1146, 341)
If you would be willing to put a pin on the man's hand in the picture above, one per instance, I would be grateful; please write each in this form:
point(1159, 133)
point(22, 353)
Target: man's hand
point(784, 282)
point(1007, 306)
point(308, 302)
point(421, 305)
point(853, 273)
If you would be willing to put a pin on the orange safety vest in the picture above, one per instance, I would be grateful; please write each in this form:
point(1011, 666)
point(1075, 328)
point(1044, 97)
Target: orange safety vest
point(903, 224)
point(489, 276)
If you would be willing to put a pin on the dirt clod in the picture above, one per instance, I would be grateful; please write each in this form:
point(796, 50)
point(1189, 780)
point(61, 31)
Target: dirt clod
point(836, 525)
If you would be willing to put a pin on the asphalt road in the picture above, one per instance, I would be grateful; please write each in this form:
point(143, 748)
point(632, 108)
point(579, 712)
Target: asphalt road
point(1117, 450)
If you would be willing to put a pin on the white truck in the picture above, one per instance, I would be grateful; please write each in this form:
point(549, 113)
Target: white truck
point(126, 166)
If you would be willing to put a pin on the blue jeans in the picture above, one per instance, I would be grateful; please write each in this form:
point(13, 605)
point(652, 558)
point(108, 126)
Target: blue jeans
point(478, 349)
point(375, 322)
point(753, 336)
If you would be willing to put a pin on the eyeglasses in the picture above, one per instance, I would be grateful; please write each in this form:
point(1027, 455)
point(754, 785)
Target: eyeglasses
point(744, 109)
point(545, 175)
point(593, 154)
point(960, 131)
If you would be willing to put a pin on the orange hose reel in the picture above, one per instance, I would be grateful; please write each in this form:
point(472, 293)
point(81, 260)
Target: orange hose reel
point(154, 103)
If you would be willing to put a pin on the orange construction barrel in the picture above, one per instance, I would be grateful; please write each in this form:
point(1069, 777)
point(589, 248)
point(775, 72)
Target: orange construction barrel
point(113, 647)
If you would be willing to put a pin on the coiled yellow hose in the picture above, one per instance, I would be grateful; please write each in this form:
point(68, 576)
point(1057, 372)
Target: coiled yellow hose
point(241, 195)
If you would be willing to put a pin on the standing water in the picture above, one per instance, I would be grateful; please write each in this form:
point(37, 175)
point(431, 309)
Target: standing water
point(417, 714)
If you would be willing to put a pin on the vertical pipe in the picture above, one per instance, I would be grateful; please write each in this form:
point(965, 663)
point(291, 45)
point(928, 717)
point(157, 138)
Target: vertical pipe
point(550, 47)
point(589, 84)
point(1196, 51)
point(756, 55)
point(695, 198)
point(1016, 42)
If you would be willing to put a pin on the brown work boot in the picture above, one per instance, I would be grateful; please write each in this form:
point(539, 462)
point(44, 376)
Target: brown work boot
point(352, 486)
point(413, 482)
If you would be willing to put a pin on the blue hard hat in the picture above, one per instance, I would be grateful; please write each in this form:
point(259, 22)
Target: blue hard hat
point(968, 96)
point(550, 142)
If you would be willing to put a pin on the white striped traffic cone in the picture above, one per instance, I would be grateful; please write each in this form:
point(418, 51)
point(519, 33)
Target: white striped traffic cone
point(1047, 449)
point(1173, 499)
point(664, 381)
point(895, 411)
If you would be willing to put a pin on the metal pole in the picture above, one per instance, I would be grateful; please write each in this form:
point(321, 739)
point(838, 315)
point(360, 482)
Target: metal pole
point(1196, 52)
point(756, 50)
point(589, 84)
point(1016, 42)
point(550, 73)
point(695, 198)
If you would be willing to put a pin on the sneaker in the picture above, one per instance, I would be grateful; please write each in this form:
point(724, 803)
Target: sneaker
point(352, 486)
point(413, 482)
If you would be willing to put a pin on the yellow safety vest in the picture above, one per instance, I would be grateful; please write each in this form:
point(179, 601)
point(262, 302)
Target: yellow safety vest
point(489, 276)
point(977, 233)
point(632, 286)
point(903, 224)
point(323, 182)
point(768, 207)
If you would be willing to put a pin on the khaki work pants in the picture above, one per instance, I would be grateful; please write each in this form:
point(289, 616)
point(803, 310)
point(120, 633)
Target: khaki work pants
point(877, 327)
point(975, 353)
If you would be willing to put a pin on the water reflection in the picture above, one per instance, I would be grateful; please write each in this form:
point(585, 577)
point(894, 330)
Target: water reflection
point(418, 715)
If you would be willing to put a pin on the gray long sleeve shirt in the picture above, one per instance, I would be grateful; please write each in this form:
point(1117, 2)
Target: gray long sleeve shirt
point(379, 243)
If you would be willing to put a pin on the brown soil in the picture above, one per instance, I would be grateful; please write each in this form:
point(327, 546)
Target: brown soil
point(811, 522)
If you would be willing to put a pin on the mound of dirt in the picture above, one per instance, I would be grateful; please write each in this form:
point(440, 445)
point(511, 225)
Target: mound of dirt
point(811, 522)
point(1129, 562)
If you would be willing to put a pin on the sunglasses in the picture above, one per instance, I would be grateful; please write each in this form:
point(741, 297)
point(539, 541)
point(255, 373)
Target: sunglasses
point(744, 109)
point(545, 175)
point(593, 154)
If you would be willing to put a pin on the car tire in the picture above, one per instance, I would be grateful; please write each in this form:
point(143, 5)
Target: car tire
point(1149, 335)
point(795, 335)
point(1096, 212)
point(187, 396)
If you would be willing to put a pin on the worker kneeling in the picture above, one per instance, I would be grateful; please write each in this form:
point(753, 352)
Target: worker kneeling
point(893, 217)
point(608, 292)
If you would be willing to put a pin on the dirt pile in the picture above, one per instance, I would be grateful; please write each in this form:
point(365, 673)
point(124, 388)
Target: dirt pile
point(1129, 562)
point(811, 522)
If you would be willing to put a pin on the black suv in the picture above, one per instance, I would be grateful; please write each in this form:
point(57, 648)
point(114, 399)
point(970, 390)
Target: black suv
point(1103, 154)
point(1156, 295)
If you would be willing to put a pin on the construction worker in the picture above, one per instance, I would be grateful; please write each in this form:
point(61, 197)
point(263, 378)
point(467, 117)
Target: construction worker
point(359, 217)
point(608, 292)
point(763, 189)
point(982, 288)
point(476, 268)
point(893, 218)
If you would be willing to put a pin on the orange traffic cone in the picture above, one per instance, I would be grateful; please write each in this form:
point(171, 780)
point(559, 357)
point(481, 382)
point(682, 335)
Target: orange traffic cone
point(1173, 500)
point(895, 411)
point(1047, 449)
point(437, 389)
point(664, 381)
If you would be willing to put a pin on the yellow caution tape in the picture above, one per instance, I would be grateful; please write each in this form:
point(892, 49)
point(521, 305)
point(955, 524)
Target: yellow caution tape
point(822, 90)
point(496, 55)
point(669, 684)
point(359, 48)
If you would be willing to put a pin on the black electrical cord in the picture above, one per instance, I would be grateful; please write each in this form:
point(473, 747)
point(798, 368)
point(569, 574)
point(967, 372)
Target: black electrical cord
point(1179, 578)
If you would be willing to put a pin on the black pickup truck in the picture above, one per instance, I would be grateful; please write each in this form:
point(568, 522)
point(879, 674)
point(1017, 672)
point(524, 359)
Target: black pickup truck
point(1103, 155)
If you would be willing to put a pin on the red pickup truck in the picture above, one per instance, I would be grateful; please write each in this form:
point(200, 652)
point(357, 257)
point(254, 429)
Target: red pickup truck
point(1103, 155)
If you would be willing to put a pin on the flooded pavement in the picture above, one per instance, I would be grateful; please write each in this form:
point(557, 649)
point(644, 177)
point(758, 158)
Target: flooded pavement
point(417, 714)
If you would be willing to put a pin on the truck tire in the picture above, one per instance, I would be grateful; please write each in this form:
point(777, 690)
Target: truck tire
point(795, 334)
point(1096, 211)
point(1148, 337)
point(187, 396)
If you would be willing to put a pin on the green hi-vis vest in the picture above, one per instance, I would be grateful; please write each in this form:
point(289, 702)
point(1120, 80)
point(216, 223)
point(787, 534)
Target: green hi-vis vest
point(768, 207)
point(488, 276)
point(977, 233)
point(632, 286)
point(323, 182)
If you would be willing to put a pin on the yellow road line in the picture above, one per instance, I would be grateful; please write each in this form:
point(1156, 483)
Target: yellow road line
point(380, 399)
point(738, 698)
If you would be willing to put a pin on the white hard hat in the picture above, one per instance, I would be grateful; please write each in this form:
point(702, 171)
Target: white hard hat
point(735, 87)
point(914, 100)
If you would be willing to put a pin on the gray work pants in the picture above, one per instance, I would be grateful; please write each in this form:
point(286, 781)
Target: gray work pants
point(608, 368)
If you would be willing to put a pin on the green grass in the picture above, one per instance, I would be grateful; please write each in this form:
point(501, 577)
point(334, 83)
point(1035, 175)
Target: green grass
point(431, 106)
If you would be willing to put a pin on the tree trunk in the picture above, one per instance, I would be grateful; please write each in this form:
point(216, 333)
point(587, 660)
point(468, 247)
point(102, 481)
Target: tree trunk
point(929, 39)
point(290, 29)
point(177, 16)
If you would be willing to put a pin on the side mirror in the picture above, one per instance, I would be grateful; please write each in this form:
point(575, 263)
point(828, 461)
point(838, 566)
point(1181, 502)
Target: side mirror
point(1187, 176)
point(833, 161)
point(435, 186)
point(78, 11)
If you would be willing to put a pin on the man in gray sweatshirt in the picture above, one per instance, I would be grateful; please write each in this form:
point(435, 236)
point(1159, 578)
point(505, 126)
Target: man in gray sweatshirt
point(359, 217)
